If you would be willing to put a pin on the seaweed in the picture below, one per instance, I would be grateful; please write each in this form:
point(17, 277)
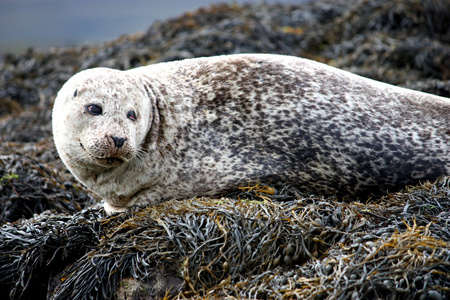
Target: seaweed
point(252, 246)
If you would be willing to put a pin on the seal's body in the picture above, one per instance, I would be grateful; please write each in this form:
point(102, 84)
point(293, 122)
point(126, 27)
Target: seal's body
point(205, 126)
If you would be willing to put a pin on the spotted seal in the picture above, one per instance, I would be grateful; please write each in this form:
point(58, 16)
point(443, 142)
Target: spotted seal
point(207, 125)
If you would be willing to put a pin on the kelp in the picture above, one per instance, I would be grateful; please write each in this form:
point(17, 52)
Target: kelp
point(260, 242)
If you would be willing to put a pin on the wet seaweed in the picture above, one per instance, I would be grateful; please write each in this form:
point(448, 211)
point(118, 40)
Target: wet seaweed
point(28, 187)
point(34, 250)
point(243, 247)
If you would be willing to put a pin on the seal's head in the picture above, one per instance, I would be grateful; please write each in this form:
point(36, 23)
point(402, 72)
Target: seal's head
point(100, 120)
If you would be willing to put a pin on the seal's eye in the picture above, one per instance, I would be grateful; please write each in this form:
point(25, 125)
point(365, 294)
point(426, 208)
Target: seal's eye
point(75, 93)
point(131, 115)
point(94, 109)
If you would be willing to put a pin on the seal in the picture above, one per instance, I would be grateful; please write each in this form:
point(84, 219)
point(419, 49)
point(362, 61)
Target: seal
point(201, 127)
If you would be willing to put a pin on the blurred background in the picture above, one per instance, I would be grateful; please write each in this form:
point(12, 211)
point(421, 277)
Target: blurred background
point(42, 24)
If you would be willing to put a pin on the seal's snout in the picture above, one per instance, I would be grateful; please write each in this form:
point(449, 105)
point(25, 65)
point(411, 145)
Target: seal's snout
point(109, 150)
point(118, 141)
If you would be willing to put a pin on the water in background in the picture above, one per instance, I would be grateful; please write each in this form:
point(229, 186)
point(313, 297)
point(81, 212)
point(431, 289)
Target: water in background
point(46, 23)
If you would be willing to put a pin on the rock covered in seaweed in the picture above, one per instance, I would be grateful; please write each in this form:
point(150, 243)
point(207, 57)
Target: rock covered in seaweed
point(274, 242)
point(27, 187)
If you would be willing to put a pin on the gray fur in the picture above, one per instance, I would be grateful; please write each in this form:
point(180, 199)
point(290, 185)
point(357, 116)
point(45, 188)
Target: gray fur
point(218, 123)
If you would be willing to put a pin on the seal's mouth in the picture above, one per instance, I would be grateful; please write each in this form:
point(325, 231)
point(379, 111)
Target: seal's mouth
point(109, 161)
point(113, 160)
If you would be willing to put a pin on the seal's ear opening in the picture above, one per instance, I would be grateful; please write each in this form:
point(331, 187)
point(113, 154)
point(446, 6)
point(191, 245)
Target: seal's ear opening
point(75, 93)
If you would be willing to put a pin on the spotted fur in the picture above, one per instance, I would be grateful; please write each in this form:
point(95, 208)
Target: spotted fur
point(208, 125)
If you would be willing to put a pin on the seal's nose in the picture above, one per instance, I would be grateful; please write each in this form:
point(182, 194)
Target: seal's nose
point(118, 142)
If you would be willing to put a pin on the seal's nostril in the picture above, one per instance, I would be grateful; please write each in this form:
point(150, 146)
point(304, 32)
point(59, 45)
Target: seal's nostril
point(118, 142)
